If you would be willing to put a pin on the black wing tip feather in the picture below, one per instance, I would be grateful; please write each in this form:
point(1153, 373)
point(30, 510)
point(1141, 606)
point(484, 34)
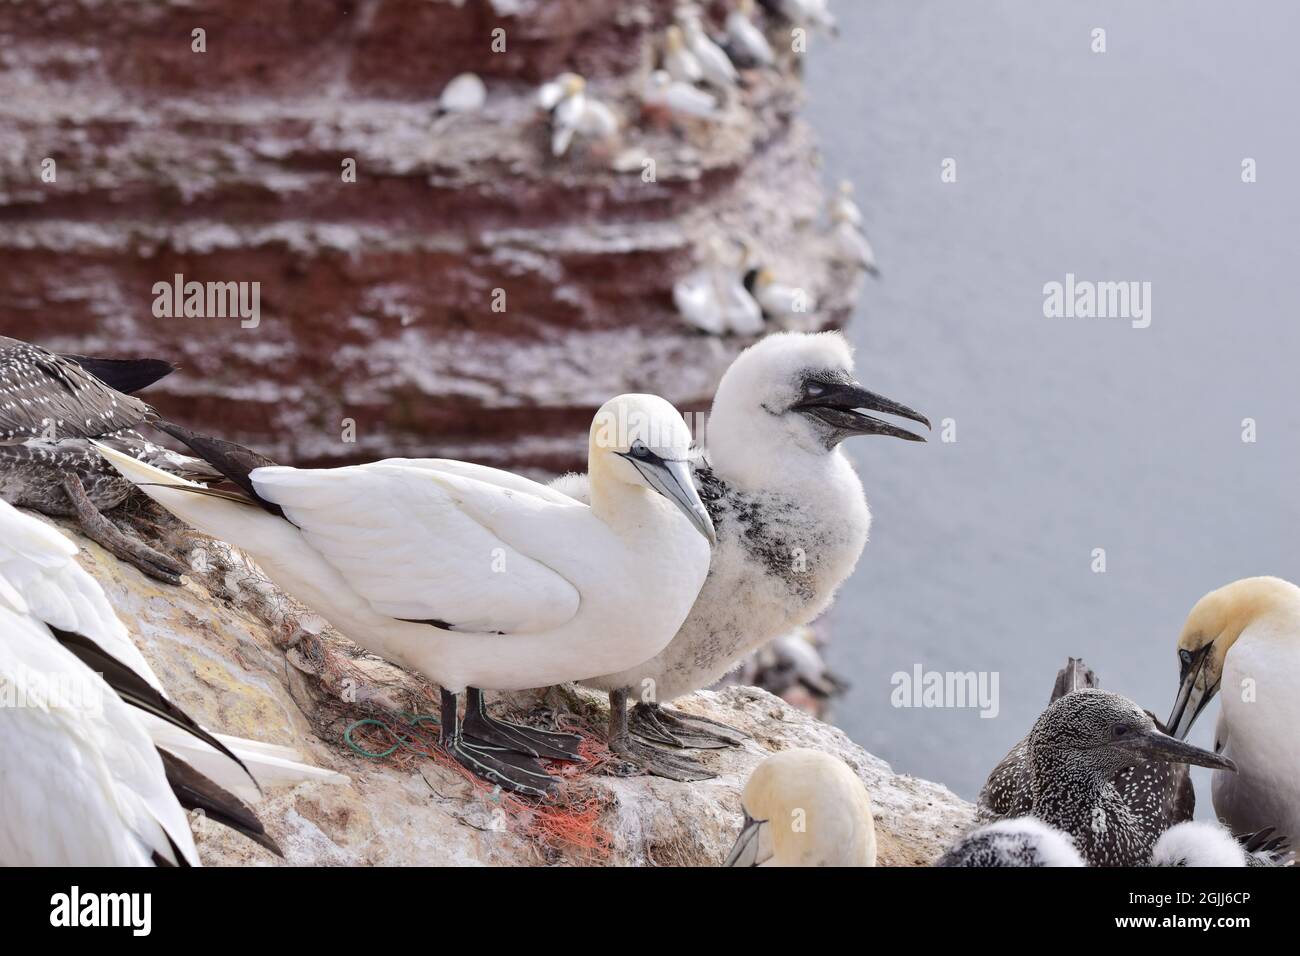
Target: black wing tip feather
point(195, 791)
point(124, 375)
point(234, 461)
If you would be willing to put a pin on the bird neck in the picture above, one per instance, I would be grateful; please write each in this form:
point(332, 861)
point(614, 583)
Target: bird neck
point(1081, 800)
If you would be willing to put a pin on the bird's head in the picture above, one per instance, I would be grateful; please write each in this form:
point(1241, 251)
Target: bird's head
point(794, 395)
point(805, 808)
point(1212, 627)
point(642, 441)
point(1106, 732)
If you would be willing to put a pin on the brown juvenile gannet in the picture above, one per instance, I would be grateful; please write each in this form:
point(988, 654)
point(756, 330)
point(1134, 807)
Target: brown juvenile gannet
point(51, 407)
point(1245, 638)
point(791, 521)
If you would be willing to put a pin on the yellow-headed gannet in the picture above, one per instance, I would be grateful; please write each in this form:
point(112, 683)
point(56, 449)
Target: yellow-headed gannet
point(474, 577)
point(745, 41)
point(851, 243)
point(792, 308)
point(715, 66)
point(575, 112)
point(1076, 748)
point(1244, 638)
point(714, 299)
point(676, 98)
point(1017, 842)
point(679, 62)
point(791, 520)
point(804, 808)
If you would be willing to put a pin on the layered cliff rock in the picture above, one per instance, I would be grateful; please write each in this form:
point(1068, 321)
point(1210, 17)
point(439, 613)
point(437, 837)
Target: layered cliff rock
point(244, 659)
point(376, 295)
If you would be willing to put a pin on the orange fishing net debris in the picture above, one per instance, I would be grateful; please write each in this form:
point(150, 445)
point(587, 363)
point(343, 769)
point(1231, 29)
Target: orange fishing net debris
point(568, 822)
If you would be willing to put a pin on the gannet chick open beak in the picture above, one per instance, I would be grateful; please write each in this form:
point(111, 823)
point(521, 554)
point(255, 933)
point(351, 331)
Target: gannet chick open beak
point(837, 402)
point(804, 808)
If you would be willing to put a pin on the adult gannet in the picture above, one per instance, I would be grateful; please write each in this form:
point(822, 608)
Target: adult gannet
point(676, 98)
point(679, 62)
point(851, 243)
point(714, 299)
point(786, 305)
point(804, 808)
point(791, 521)
point(574, 112)
point(1245, 638)
point(1077, 746)
point(45, 595)
point(474, 577)
point(1017, 842)
point(745, 41)
point(1161, 792)
point(715, 66)
point(51, 406)
point(464, 93)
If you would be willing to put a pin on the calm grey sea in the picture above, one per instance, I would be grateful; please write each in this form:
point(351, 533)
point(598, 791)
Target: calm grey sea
point(1072, 434)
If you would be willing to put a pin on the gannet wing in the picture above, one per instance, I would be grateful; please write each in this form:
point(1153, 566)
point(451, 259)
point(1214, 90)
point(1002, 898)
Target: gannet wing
point(493, 476)
point(422, 544)
point(81, 782)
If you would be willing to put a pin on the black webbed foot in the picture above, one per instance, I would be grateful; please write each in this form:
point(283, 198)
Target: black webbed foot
point(483, 730)
point(673, 728)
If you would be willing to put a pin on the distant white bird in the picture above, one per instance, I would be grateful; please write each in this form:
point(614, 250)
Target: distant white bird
point(715, 65)
point(679, 62)
point(1018, 842)
point(574, 113)
point(851, 243)
point(714, 299)
point(805, 808)
point(1245, 638)
point(809, 13)
point(746, 41)
point(788, 306)
point(791, 520)
point(474, 577)
point(671, 96)
point(463, 94)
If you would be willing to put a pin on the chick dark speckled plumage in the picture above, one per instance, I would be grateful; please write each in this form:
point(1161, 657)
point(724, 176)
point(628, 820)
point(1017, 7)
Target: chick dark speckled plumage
point(51, 407)
point(1158, 791)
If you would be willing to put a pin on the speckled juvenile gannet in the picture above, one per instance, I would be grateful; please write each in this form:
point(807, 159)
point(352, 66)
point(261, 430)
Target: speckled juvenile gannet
point(474, 577)
point(1078, 745)
point(1161, 792)
point(791, 520)
point(51, 406)
point(45, 595)
point(1017, 842)
point(1245, 638)
point(804, 808)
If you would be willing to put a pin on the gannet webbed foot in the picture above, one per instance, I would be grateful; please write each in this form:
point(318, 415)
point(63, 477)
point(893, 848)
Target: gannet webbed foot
point(482, 730)
point(512, 772)
point(107, 535)
point(659, 762)
point(673, 728)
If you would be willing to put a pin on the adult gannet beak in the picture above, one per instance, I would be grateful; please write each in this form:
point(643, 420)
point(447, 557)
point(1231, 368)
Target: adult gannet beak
point(1153, 745)
point(749, 846)
point(1193, 695)
point(837, 406)
point(672, 479)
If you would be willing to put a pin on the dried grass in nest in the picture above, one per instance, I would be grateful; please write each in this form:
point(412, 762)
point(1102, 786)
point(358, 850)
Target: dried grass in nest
point(567, 823)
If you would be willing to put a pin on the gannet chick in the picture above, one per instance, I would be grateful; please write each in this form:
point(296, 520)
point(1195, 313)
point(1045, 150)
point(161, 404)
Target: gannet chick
point(51, 406)
point(715, 66)
point(1197, 843)
point(679, 62)
point(1077, 746)
point(851, 243)
point(1019, 842)
point(745, 41)
point(463, 94)
point(807, 13)
point(804, 808)
point(790, 307)
point(714, 299)
point(1245, 637)
point(474, 577)
point(676, 98)
point(791, 520)
point(1160, 792)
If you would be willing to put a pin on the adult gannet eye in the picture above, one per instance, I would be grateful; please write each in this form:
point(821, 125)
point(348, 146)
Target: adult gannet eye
point(639, 449)
point(1185, 656)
